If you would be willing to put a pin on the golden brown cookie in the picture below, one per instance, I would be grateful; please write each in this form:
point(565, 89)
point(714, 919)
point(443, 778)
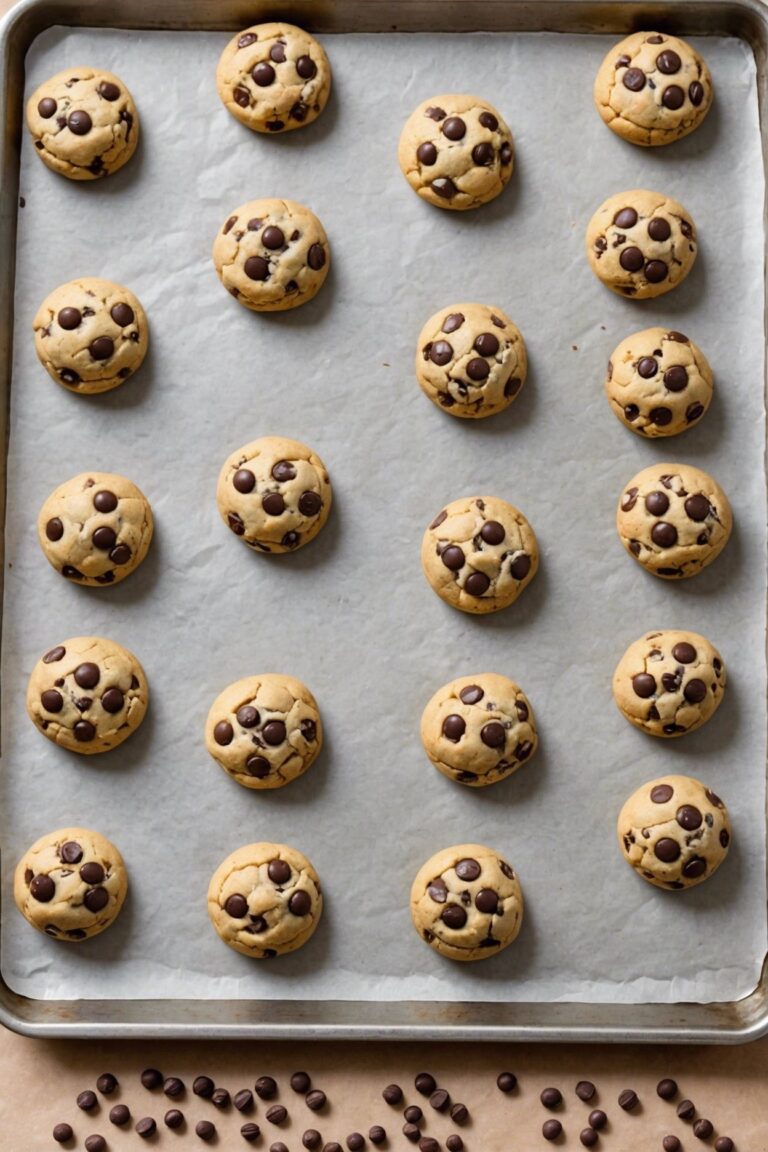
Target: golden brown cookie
point(641, 244)
point(668, 683)
point(658, 382)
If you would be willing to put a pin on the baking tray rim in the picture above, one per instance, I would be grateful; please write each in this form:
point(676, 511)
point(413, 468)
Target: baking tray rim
point(683, 1023)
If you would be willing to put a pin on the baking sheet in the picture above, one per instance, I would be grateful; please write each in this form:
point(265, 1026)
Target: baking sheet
point(351, 614)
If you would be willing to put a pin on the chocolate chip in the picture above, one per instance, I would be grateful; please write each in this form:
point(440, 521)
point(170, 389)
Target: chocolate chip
point(42, 889)
point(273, 504)
point(520, 566)
point(277, 1114)
point(274, 733)
point(104, 538)
point(411, 1132)
point(492, 532)
point(250, 1132)
point(315, 1100)
point(487, 901)
point(453, 727)
point(205, 1130)
point(671, 1144)
point(493, 735)
point(263, 75)
point(92, 873)
point(696, 95)
point(625, 218)
point(459, 1113)
point(695, 691)
point(173, 1086)
point(203, 1085)
point(300, 903)
point(631, 259)
point(306, 67)
point(478, 369)
point(79, 122)
point(676, 378)
point(667, 851)
point(151, 1078)
point(659, 229)
point(428, 1144)
point(377, 1134)
point(70, 852)
point(95, 1143)
point(256, 268)
point(506, 1082)
point(69, 376)
point(452, 557)
point(657, 503)
point(673, 97)
point(393, 1094)
point(51, 700)
point(477, 584)
point(87, 1100)
point(703, 1129)
point(355, 1141)
point(585, 1090)
point(597, 1119)
point(425, 1082)
point(723, 1143)
point(588, 1137)
point(647, 367)
point(102, 348)
point(282, 471)
point(316, 257)
point(454, 128)
point(311, 1138)
point(483, 154)
point(444, 187)
point(631, 412)
point(440, 1100)
point(440, 352)
point(413, 1114)
point(223, 733)
point(551, 1129)
point(120, 1115)
point(272, 237)
point(664, 534)
point(628, 1099)
point(660, 416)
point(697, 508)
point(454, 1143)
point(46, 108)
point(644, 685)
point(694, 868)
point(686, 1110)
point(454, 916)
point(104, 501)
point(310, 503)
point(666, 1089)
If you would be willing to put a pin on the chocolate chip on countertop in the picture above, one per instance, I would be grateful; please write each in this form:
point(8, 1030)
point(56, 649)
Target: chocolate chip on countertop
point(146, 1127)
point(723, 1144)
point(87, 1100)
point(551, 1129)
point(221, 1098)
point(278, 1146)
point(459, 1113)
point(106, 1083)
point(173, 1118)
point(205, 1130)
point(315, 1100)
point(425, 1083)
point(277, 1114)
point(393, 1094)
point(173, 1087)
point(585, 1090)
point(377, 1134)
point(95, 1143)
point(703, 1129)
point(588, 1137)
point(301, 1082)
point(440, 1100)
point(151, 1078)
point(243, 1100)
point(265, 1087)
point(355, 1141)
point(454, 1143)
point(311, 1138)
point(62, 1133)
point(427, 1144)
point(551, 1097)
point(120, 1115)
point(666, 1089)
point(250, 1132)
point(628, 1099)
point(671, 1144)
point(597, 1119)
point(506, 1081)
point(412, 1132)
point(686, 1110)
point(413, 1114)
point(203, 1086)
point(332, 1147)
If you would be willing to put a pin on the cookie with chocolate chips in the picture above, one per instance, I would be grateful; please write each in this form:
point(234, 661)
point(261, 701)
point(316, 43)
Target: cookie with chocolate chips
point(658, 382)
point(456, 151)
point(274, 77)
point(479, 729)
point(669, 683)
point(479, 553)
point(70, 884)
point(471, 360)
point(84, 123)
point(674, 519)
point(95, 529)
point(466, 902)
point(641, 244)
point(653, 88)
point(265, 900)
point(272, 255)
point(264, 731)
point(675, 832)
point(91, 335)
point(87, 694)
point(275, 494)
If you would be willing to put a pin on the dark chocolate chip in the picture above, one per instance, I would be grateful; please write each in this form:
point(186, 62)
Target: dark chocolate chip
point(666, 1089)
point(151, 1078)
point(551, 1129)
point(424, 1082)
point(697, 508)
point(79, 122)
point(634, 79)
point(666, 850)
point(585, 1090)
point(597, 1119)
point(628, 1099)
point(659, 228)
point(315, 1100)
point(673, 97)
point(393, 1094)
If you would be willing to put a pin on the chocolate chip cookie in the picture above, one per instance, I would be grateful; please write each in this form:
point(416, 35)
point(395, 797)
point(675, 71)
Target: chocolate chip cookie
point(668, 683)
point(96, 528)
point(87, 694)
point(479, 553)
point(456, 151)
point(265, 900)
point(471, 360)
point(272, 255)
point(466, 902)
point(275, 494)
point(264, 731)
point(658, 382)
point(274, 77)
point(674, 519)
point(674, 832)
point(91, 335)
point(641, 244)
point(84, 123)
point(653, 88)
point(479, 729)
point(70, 884)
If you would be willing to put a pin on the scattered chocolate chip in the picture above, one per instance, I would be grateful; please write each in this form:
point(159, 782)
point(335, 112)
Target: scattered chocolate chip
point(221, 1098)
point(393, 1094)
point(506, 1082)
point(377, 1134)
point(311, 1138)
point(666, 1089)
point(151, 1078)
point(315, 1100)
point(79, 122)
point(355, 1141)
point(300, 903)
point(588, 1137)
point(146, 1127)
point(671, 1144)
point(440, 1100)
point(686, 1110)
point(87, 1100)
point(597, 1119)
point(703, 1129)
point(173, 1086)
point(673, 97)
point(120, 1115)
point(428, 1144)
point(459, 1113)
point(551, 1097)
point(250, 1132)
point(62, 1132)
point(696, 95)
point(454, 1143)
point(628, 1099)
point(95, 1143)
point(411, 1132)
point(444, 187)
point(205, 1130)
point(551, 1129)
point(723, 1144)
point(585, 1090)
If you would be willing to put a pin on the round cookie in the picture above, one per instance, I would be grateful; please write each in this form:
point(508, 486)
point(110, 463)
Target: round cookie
point(91, 335)
point(674, 519)
point(479, 554)
point(674, 832)
point(275, 494)
point(96, 528)
point(274, 77)
point(265, 900)
point(456, 151)
point(87, 694)
point(272, 255)
point(471, 360)
point(264, 731)
point(466, 902)
point(653, 89)
point(84, 123)
point(641, 244)
point(658, 382)
point(478, 730)
point(668, 683)
point(70, 884)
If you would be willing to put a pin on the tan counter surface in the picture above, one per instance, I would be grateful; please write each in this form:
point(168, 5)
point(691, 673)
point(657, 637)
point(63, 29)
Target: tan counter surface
point(40, 1080)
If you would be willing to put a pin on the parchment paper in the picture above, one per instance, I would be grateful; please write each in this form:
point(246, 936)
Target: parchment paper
point(352, 614)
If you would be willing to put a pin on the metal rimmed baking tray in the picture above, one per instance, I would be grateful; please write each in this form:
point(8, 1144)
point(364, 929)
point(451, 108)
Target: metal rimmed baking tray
point(304, 1019)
